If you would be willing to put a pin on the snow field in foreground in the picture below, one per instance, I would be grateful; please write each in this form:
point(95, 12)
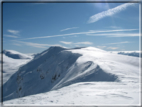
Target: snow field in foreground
point(86, 93)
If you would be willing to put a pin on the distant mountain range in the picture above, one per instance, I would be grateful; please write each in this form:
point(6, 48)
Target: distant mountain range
point(16, 55)
point(129, 53)
point(135, 54)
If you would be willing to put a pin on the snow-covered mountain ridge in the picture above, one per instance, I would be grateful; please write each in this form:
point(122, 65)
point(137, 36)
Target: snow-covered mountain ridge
point(129, 53)
point(59, 67)
point(40, 73)
point(16, 55)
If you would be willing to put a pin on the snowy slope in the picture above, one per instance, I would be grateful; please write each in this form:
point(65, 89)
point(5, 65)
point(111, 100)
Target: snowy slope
point(85, 93)
point(10, 65)
point(39, 75)
point(75, 76)
point(12, 60)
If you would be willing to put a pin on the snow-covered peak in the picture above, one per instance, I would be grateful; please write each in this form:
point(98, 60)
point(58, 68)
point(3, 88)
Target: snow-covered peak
point(58, 67)
point(51, 50)
point(93, 49)
point(56, 47)
point(16, 55)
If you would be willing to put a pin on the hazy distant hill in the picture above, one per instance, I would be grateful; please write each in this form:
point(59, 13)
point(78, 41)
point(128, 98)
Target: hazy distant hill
point(16, 55)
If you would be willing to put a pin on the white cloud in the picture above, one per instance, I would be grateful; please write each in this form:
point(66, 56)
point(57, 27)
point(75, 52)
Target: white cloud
point(109, 12)
point(113, 44)
point(84, 43)
point(16, 44)
point(12, 36)
point(116, 30)
point(114, 27)
point(79, 33)
point(116, 34)
point(15, 32)
point(68, 29)
point(124, 35)
point(37, 45)
point(113, 48)
point(77, 43)
point(66, 42)
point(101, 47)
point(74, 36)
point(118, 43)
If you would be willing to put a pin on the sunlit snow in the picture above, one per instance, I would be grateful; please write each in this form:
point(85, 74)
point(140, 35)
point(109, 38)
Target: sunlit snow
point(79, 76)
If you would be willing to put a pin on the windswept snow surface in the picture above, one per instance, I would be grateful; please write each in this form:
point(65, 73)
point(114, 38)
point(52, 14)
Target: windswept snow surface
point(80, 76)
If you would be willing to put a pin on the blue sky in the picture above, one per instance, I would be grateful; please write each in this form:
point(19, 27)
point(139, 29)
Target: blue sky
point(33, 27)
